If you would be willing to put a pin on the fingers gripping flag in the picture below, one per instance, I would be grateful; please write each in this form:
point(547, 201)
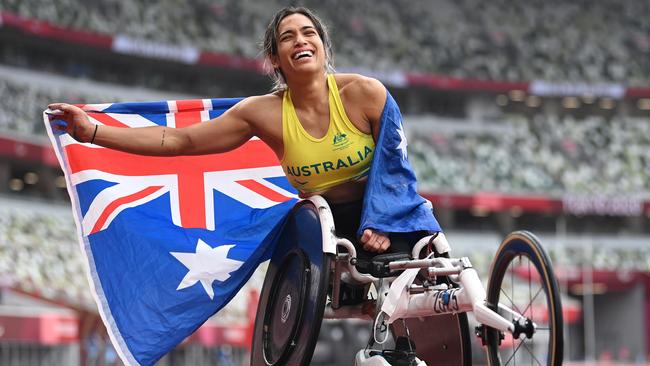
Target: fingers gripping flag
point(169, 240)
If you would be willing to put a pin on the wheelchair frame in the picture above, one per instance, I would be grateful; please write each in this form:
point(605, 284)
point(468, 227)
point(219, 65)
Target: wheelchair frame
point(430, 298)
point(423, 301)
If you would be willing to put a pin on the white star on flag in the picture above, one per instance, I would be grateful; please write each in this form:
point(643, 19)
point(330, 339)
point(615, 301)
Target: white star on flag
point(402, 143)
point(206, 265)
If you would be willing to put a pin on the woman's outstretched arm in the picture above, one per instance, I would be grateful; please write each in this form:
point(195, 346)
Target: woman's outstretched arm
point(224, 133)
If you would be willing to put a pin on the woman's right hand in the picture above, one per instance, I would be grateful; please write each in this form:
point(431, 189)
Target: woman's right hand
point(77, 123)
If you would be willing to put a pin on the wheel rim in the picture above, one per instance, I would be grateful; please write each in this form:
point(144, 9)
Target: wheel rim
point(522, 293)
point(522, 279)
point(284, 317)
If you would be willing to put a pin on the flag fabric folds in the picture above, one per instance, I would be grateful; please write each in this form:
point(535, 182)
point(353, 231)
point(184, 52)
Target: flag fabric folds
point(391, 202)
point(170, 240)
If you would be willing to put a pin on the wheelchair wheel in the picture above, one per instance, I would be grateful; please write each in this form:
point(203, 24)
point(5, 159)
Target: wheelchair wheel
point(292, 302)
point(521, 278)
point(439, 339)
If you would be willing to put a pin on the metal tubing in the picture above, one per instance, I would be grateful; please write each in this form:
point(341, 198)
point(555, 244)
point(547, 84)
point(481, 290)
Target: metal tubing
point(418, 263)
point(515, 315)
point(441, 243)
point(326, 222)
point(476, 293)
point(488, 317)
point(472, 284)
point(443, 271)
point(417, 249)
point(353, 274)
point(470, 297)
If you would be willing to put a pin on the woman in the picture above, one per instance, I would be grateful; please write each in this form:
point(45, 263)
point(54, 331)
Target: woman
point(311, 120)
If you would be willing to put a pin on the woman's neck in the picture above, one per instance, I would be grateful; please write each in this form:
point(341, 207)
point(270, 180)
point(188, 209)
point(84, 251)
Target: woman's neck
point(309, 93)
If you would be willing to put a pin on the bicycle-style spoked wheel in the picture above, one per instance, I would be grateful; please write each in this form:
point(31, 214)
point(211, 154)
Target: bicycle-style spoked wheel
point(522, 279)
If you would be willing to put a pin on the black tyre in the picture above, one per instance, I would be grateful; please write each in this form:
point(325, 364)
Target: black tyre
point(522, 278)
point(290, 310)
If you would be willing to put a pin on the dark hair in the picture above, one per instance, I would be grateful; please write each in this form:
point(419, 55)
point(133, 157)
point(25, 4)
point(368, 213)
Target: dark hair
point(270, 44)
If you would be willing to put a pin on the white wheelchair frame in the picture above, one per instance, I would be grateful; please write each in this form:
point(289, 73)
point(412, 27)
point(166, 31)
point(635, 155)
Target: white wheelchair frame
point(311, 278)
point(423, 301)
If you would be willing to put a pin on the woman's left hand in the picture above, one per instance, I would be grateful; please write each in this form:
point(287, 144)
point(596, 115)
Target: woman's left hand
point(375, 241)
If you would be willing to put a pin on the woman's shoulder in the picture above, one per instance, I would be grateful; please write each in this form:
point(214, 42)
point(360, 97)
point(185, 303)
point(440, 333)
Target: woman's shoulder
point(259, 108)
point(263, 99)
point(358, 82)
point(357, 88)
point(260, 102)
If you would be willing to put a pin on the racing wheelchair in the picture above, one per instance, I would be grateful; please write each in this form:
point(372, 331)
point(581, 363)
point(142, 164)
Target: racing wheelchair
point(419, 302)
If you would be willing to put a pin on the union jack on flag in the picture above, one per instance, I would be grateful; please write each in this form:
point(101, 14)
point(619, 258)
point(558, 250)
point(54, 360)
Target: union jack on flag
point(169, 240)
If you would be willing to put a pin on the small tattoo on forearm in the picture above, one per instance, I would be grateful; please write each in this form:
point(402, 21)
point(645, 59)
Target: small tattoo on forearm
point(162, 142)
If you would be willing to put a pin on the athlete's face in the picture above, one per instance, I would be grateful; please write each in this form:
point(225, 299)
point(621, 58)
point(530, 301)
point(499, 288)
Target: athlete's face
point(300, 48)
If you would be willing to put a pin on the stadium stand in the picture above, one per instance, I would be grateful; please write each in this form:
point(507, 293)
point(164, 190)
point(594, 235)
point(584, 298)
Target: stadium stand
point(34, 91)
point(550, 154)
point(39, 252)
point(498, 40)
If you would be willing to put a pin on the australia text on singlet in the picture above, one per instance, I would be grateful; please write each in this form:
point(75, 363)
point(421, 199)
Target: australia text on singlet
point(314, 164)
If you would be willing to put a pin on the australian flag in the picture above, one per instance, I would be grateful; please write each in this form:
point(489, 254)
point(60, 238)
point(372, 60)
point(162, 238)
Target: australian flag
point(170, 240)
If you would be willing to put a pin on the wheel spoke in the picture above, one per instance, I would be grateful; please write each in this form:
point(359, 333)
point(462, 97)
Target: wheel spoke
point(512, 296)
point(530, 280)
point(514, 352)
point(531, 354)
point(514, 306)
point(531, 301)
point(529, 290)
point(512, 282)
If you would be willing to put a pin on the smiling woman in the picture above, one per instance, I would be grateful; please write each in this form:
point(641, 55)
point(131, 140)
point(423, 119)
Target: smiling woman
point(272, 37)
point(311, 117)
